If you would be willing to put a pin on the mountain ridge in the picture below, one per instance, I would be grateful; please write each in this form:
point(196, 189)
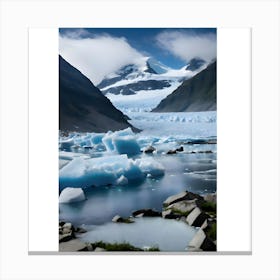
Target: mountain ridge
point(82, 106)
point(193, 95)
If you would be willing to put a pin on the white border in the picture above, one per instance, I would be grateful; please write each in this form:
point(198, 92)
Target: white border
point(263, 17)
point(43, 125)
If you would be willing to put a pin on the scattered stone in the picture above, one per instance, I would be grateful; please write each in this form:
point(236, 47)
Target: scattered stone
point(88, 147)
point(119, 219)
point(193, 216)
point(61, 223)
point(201, 242)
point(149, 150)
point(168, 214)
point(80, 230)
point(181, 196)
point(183, 206)
point(196, 218)
point(146, 213)
point(181, 149)
point(73, 245)
point(205, 152)
point(65, 237)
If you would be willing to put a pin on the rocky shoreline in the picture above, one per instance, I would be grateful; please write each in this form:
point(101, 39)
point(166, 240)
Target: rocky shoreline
point(193, 209)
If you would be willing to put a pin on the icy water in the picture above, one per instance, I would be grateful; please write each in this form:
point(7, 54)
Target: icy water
point(193, 169)
point(193, 172)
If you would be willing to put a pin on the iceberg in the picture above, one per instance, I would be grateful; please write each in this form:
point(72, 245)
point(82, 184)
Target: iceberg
point(70, 195)
point(121, 142)
point(109, 170)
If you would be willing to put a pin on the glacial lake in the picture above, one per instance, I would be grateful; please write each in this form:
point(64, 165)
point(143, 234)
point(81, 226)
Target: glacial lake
point(192, 172)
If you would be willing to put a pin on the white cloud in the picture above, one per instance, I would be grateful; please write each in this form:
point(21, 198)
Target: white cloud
point(98, 56)
point(188, 45)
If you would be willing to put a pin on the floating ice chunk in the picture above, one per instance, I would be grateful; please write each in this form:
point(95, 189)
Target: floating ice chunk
point(70, 195)
point(149, 166)
point(122, 181)
point(122, 142)
point(66, 144)
point(85, 172)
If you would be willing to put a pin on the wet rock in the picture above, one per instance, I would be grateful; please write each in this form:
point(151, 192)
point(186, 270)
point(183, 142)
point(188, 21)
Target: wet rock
point(171, 152)
point(146, 213)
point(201, 242)
point(65, 237)
point(196, 218)
point(183, 206)
point(73, 245)
point(181, 196)
point(149, 150)
point(181, 149)
point(119, 219)
point(168, 214)
point(80, 230)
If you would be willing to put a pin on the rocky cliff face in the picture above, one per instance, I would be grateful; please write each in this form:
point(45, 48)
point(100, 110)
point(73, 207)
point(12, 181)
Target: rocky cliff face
point(194, 95)
point(82, 106)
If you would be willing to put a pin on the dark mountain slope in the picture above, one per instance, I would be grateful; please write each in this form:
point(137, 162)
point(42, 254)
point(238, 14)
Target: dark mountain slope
point(194, 95)
point(82, 106)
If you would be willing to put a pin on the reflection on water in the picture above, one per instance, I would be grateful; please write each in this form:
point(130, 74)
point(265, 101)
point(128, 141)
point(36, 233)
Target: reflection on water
point(182, 172)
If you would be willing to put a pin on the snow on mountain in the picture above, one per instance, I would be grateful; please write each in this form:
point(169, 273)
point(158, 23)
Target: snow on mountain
point(139, 87)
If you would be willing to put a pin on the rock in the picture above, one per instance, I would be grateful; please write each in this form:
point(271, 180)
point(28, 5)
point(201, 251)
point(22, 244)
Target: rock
point(181, 149)
point(88, 147)
point(196, 218)
point(149, 149)
point(66, 230)
point(117, 219)
point(73, 245)
point(204, 225)
point(211, 197)
point(181, 196)
point(80, 230)
point(171, 152)
point(99, 249)
point(146, 213)
point(193, 216)
point(61, 223)
point(65, 237)
point(201, 242)
point(183, 206)
point(168, 214)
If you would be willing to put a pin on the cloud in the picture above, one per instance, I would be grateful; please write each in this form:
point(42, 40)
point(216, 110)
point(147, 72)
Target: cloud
point(188, 45)
point(96, 56)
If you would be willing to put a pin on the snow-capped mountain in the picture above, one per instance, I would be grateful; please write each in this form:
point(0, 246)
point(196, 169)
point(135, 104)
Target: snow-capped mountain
point(142, 85)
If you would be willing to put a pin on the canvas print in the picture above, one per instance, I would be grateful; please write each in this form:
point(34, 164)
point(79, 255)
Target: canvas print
point(137, 139)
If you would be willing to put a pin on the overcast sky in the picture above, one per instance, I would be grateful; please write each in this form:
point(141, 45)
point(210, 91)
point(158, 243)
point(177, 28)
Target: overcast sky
point(97, 52)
